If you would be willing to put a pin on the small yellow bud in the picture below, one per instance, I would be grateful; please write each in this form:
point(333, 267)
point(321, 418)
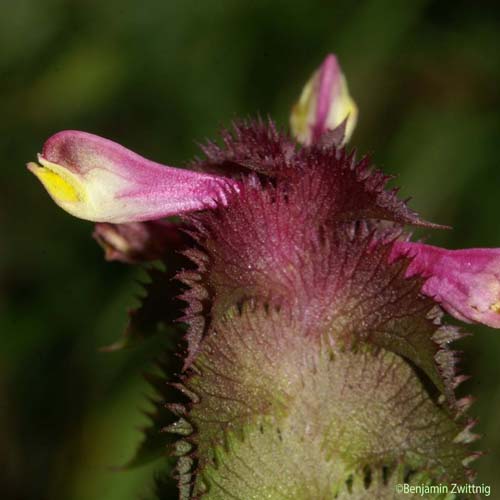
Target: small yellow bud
point(324, 105)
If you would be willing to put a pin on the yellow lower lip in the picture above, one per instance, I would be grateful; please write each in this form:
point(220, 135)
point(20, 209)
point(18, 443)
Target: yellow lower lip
point(495, 307)
point(58, 187)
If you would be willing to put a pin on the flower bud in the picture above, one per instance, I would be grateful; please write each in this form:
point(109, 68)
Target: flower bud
point(96, 179)
point(136, 242)
point(324, 105)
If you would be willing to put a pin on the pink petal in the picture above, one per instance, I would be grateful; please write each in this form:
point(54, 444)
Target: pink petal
point(109, 183)
point(465, 282)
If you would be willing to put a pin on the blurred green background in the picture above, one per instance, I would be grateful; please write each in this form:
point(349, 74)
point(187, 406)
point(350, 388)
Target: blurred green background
point(157, 75)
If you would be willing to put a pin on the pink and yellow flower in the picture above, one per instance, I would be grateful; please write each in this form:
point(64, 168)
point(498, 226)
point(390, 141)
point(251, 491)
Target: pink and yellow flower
point(98, 180)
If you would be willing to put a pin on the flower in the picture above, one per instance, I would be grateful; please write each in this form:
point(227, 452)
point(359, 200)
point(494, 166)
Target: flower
point(136, 242)
point(324, 105)
point(465, 282)
point(96, 179)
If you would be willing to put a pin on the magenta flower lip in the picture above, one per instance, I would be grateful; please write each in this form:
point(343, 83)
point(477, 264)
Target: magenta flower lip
point(99, 180)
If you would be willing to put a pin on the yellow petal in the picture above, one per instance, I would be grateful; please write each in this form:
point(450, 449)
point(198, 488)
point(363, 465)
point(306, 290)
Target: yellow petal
point(303, 113)
point(343, 107)
point(60, 184)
